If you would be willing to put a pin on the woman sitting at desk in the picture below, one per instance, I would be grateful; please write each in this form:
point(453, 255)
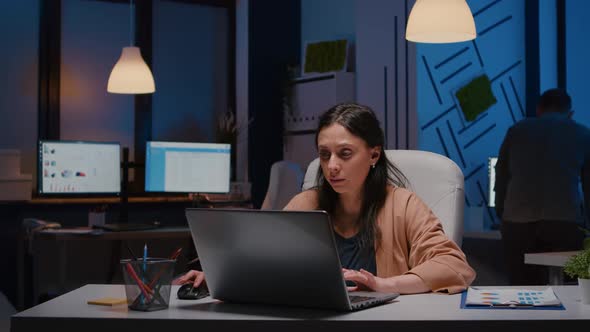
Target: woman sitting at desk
point(388, 239)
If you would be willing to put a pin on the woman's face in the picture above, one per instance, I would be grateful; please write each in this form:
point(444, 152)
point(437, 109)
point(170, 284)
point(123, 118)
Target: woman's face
point(345, 159)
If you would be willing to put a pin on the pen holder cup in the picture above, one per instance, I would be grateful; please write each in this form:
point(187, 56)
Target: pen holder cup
point(96, 219)
point(148, 284)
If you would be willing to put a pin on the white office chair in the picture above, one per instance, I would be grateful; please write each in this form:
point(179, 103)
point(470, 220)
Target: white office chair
point(436, 179)
point(285, 182)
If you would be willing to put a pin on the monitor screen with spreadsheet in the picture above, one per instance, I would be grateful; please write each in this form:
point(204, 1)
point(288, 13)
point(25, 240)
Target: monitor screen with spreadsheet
point(79, 167)
point(492, 180)
point(187, 167)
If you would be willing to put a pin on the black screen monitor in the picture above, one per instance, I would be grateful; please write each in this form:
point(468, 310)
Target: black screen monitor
point(79, 167)
point(187, 167)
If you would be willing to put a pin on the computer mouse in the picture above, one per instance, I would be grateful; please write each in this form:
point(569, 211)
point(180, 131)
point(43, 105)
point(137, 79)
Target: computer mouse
point(188, 292)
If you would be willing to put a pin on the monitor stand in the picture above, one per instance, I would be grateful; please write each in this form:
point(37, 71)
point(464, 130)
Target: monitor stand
point(123, 224)
point(124, 197)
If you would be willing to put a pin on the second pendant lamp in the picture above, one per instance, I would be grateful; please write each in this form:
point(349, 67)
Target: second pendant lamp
point(440, 21)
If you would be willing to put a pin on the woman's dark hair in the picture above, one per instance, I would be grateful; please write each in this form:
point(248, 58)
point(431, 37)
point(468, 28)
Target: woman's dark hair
point(360, 121)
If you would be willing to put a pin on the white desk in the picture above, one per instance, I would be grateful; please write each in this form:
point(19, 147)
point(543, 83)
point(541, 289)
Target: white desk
point(554, 260)
point(424, 312)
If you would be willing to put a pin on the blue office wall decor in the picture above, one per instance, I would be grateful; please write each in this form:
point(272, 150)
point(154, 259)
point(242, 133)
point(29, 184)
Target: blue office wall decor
point(475, 97)
point(498, 52)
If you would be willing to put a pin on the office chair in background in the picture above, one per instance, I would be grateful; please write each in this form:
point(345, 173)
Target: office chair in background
point(6, 310)
point(285, 182)
point(436, 179)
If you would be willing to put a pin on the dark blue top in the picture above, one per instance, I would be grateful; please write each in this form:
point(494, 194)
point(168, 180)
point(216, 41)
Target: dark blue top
point(539, 168)
point(352, 256)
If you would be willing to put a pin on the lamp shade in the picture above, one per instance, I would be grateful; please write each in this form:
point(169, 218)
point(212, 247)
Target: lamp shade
point(440, 21)
point(131, 74)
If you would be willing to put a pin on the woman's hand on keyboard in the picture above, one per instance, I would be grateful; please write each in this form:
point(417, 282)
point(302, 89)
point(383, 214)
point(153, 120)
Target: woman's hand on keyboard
point(365, 280)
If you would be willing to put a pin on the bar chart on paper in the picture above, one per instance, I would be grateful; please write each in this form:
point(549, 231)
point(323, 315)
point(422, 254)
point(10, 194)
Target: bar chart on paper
point(512, 296)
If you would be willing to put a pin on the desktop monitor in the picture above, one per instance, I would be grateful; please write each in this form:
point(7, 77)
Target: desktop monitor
point(492, 180)
point(187, 167)
point(77, 167)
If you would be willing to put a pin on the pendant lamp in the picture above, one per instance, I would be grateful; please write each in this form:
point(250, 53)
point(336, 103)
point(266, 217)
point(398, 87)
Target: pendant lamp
point(131, 75)
point(440, 21)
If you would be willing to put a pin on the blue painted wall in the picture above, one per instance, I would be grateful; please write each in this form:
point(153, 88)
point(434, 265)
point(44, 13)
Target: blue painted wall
point(547, 44)
point(19, 32)
point(577, 55)
point(497, 52)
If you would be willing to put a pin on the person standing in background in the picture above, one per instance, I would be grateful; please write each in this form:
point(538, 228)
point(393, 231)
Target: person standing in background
point(540, 164)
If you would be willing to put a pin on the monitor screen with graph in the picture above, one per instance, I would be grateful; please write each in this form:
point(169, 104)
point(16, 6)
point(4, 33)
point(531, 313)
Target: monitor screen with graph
point(79, 167)
point(187, 167)
point(492, 180)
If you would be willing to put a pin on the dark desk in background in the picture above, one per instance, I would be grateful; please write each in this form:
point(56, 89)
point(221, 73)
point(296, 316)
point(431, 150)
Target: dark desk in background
point(209, 200)
point(169, 211)
point(62, 237)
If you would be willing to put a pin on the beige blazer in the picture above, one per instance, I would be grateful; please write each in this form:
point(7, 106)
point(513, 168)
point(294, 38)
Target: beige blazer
point(412, 241)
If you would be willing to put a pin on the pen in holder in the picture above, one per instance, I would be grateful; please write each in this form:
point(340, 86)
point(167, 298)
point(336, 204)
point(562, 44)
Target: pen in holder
point(148, 283)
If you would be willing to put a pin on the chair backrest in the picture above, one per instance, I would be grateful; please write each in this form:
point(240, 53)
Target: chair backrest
point(6, 310)
point(436, 179)
point(285, 182)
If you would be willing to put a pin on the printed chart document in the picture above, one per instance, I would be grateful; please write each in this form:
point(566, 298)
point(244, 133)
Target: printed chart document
point(511, 297)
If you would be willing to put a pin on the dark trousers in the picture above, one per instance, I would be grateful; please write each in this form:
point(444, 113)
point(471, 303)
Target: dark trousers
point(538, 236)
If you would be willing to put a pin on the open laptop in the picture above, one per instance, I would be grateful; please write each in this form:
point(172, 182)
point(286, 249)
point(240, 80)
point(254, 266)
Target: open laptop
point(274, 257)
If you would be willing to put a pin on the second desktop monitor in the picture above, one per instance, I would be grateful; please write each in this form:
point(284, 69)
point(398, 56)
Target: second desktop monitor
point(187, 167)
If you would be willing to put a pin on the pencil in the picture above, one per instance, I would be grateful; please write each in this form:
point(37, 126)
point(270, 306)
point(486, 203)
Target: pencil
point(130, 252)
point(133, 275)
point(145, 255)
point(144, 267)
point(174, 255)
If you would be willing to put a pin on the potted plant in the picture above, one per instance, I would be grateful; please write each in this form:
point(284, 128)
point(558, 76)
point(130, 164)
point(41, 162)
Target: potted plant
point(227, 131)
point(579, 266)
point(587, 239)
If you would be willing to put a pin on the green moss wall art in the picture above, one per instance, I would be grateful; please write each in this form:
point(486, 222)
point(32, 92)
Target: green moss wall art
point(476, 97)
point(325, 56)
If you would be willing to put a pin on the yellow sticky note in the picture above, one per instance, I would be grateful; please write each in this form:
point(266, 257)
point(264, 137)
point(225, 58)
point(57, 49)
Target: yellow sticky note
point(108, 301)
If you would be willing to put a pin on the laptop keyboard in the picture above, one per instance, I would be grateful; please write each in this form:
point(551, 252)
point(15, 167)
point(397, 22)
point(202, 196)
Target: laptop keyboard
point(356, 299)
